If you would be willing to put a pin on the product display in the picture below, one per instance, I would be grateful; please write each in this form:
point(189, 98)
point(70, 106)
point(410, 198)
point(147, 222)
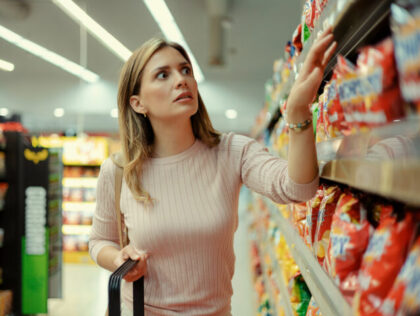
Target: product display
point(365, 261)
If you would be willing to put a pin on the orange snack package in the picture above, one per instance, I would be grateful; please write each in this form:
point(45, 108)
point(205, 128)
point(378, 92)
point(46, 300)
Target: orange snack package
point(324, 220)
point(381, 263)
point(313, 308)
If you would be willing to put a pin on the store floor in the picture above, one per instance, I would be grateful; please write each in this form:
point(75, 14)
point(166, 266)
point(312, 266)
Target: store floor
point(85, 286)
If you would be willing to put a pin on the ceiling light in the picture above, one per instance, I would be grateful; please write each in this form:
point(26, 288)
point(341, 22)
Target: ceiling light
point(48, 55)
point(114, 113)
point(58, 112)
point(169, 28)
point(4, 111)
point(80, 16)
point(231, 114)
point(5, 65)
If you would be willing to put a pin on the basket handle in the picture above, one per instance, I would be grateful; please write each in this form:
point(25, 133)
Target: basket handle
point(114, 303)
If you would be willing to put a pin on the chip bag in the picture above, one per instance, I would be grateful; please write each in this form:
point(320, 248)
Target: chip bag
point(381, 263)
point(324, 220)
point(405, 25)
point(312, 217)
point(299, 217)
point(349, 238)
point(299, 295)
point(313, 308)
point(404, 297)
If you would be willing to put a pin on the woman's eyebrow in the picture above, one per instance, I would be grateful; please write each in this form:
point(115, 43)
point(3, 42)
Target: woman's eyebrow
point(166, 66)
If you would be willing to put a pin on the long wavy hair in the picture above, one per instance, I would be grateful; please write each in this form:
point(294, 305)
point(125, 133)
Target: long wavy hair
point(136, 132)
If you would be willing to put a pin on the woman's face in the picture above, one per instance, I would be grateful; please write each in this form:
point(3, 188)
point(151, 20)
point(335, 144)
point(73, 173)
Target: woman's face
point(168, 87)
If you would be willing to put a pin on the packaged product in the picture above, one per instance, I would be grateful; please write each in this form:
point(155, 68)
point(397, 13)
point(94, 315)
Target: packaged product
point(382, 101)
point(6, 300)
point(288, 264)
point(299, 295)
point(324, 220)
point(319, 8)
point(381, 263)
point(299, 217)
point(308, 19)
point(3, 190)
point(320, 128)
point(405, 24)
point(312, 217)
point(404, 297)
point(349, 238)
point(297, 39)
point(337, 121)
point(313, 308)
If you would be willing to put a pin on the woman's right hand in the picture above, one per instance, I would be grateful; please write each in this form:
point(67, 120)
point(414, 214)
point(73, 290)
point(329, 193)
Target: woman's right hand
point(140, 269)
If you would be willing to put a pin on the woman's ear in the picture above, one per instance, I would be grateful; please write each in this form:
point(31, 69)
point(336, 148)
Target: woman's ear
point(136, 105)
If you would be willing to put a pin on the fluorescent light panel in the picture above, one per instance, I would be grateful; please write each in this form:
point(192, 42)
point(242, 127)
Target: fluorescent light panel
point(76, 13)
point(169, 28)
point(48, 55)
point(6, 66)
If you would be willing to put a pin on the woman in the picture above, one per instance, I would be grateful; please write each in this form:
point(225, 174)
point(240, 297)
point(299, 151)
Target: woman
point(182, 179)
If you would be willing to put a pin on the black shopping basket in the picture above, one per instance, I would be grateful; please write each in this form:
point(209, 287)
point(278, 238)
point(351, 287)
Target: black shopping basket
point(114, 304)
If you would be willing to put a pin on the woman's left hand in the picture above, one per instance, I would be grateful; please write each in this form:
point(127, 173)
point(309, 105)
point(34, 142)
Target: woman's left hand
point(309, 79)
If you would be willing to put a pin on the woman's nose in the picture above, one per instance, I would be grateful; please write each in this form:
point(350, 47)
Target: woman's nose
point(181, 81)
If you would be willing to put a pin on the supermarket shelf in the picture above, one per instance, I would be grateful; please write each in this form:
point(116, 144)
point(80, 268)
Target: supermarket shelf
point(395, 180)
point(76, 229)
point(80, 182)
point(357, 23)
point(79, 206)
point(324, 290)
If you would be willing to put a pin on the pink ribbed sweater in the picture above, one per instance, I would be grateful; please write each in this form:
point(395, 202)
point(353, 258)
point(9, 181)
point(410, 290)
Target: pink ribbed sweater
point(189, 230)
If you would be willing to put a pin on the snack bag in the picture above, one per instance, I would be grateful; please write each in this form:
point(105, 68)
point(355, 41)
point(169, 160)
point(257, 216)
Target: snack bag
point(320, 128)
point(404, 297)
point(349, 239)
point(382, 101)
point(312, 216)
point(338, 116)
point(299, 295)
point(299, 217)
point(313, 308)
point(297, 39)
point(308, 19)
point(324, 220)
point(381, 263)
point(405, 25)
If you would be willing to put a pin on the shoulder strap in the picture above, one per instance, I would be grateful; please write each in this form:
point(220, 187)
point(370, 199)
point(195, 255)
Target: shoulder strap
point(122, 234)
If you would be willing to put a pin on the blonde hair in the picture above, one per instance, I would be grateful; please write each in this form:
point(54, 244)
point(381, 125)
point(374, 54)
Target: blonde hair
point(136, 133)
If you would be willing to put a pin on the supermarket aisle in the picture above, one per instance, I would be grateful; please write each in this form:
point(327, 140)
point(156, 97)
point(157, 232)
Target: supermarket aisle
point(85, 286)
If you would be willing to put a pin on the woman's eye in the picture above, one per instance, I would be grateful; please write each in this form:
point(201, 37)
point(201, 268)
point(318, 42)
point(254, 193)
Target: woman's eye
point(162, 75)
point(186, 70)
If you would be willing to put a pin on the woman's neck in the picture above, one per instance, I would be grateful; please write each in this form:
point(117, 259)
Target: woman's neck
point(172, 139)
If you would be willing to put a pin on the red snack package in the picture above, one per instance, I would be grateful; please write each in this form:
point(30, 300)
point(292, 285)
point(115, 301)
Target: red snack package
point(312, 216)
point(338, 116)
point(297, 39)
point(406, 33)
point(403, 299)
point(377, 69)
point(350, 231)
point(381, 263)
point(324, 220)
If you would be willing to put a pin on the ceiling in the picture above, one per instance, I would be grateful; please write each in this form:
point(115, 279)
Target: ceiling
point(256, 37)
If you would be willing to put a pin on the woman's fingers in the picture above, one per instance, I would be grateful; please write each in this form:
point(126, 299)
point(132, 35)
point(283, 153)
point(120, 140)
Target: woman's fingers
point(329, 53)
point(137, 271)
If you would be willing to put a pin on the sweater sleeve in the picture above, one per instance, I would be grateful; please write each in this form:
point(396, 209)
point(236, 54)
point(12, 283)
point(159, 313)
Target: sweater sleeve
point(104, 230)
point(267, 174)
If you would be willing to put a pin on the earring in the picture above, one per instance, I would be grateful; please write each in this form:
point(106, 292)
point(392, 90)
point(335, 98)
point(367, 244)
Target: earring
point(144, 115)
